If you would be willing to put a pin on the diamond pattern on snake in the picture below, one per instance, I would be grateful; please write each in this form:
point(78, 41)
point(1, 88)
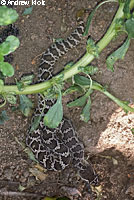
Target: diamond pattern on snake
point(57, 148)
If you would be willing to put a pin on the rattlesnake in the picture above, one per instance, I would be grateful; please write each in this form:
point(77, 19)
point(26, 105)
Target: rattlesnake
point(57, 148)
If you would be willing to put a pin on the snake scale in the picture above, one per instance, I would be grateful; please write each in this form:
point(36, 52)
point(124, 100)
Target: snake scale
point(57, 148)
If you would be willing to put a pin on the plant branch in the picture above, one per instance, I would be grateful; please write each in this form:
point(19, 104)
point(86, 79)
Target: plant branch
point(122, 104)
point(84, 61)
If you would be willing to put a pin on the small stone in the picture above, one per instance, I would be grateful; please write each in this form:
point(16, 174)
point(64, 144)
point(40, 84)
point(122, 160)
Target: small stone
point(31, 181)
point(33, 37)
point(22, 179)
point(63, 28)
point(17, 176)
point(8, 173)
point(26, 174)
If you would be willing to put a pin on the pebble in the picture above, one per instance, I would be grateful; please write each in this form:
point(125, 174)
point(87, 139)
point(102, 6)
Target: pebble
point(23, 179)
point(31, 181)
point(8, 173)
point(26, 174)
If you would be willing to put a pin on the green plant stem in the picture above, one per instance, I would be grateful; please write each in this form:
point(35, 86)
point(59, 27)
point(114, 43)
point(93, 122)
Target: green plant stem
point(96, 86)
point(85, 60)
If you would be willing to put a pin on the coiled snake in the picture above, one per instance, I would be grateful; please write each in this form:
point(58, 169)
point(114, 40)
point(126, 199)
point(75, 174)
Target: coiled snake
point(57, 148)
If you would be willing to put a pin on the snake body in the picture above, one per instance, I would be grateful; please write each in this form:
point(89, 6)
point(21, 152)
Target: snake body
point(57, 148)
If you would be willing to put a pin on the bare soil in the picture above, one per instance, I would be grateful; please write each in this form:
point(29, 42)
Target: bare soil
point(109, 143)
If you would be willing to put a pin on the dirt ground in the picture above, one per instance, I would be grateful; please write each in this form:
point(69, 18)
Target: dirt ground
point(109, 143)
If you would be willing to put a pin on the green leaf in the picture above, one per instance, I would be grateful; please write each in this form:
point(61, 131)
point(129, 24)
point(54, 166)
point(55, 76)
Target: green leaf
point(1, 82)
point(50, 198)
point(119, 25)
point(21, 188)
point(81, 80)
point(20, 86)
point(55, 114)
point(92, 48)
point(125, 103)
point(30, 154)
point(69, 65)
point(10, 45)
point(25, 80)
point(6, 69)
point(58, 80)
point(14, 108)
point(132, 130)
point(28, 11)
point(1, 58)
point(7, 15)
point(2, 77)
point(118, 54)
point(50, 93)
point(11, 98)
point(89, 22)
point(121, 1)
point(35, 123)
point(85, 116)
point(126, 9)
point(89, 69)
point(25, 105)
point(3, 117)
point(92, 14)
point(58, 40)
point(73, 88)
point(81, 101)
point(129, 26)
